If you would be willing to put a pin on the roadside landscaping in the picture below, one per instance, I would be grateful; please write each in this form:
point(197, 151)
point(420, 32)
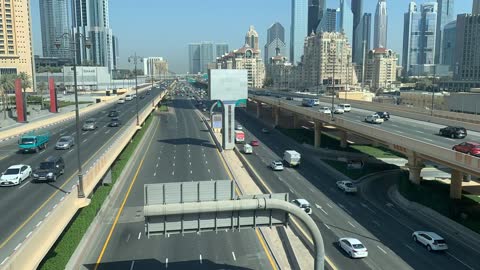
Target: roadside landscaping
point(435, 195)
point(62, 250)
point(163, 108)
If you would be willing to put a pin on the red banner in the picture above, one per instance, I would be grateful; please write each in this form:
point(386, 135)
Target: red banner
point(21, 114)
point(53, 96)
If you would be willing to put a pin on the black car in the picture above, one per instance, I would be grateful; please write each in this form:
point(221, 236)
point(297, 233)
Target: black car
point(49, 169)
point(147, 93)
point(384, 115)
point(289, 98)
point(453, 132)
point(115, 122)
point(113, 114)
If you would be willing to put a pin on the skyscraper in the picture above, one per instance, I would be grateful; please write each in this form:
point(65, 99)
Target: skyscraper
point(329, 21)
point(316, 13)
point(381, 23)
point(221, 49)
point(445, 15)
point(91, 19)
point(449, 44)
point(367, 33)
point(199, 56)
point(116, 52)
point(345, 20)
point(194, 58)
point(419, 37)
point(476, 7)
point(357, 40)
point(55, 21)
point(298, 29)
point(15, 40)
point(466, 51)
point(251, 38)
point(275, 42)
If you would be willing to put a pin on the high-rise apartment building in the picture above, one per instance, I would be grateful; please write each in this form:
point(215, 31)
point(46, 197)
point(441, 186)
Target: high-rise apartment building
point(199, 56)
point(316, 13)
point(275, 42)
point(381, 68)
point(476, 7)
point(381, 23)
point(357, 40)
point(221, 49)
point(329, 22)
point(345, 20)
point(298, 29)
point(449, 44)
point(419, 37)
point(55, 21)
point(116, 52)
point(251, 38)
point(15, 37)
point(155, 66)
point(445, 15)
point(467, 60)
point(91, 20)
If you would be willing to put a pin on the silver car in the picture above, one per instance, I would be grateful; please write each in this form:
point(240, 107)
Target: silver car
point(90, 124)
point(65, 142)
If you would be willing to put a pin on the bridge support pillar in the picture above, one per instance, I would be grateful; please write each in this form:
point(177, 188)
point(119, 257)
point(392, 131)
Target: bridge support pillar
point(276, 115)
point(415, 166)
point(318, 134)
point(259, 109)
point(456, 185)
point(343, 139)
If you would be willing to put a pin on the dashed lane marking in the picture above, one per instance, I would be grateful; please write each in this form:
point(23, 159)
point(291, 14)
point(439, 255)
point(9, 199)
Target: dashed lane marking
point(381, 249)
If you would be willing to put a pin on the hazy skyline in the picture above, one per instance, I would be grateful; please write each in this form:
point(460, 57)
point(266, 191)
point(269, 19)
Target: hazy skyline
point(165, 28)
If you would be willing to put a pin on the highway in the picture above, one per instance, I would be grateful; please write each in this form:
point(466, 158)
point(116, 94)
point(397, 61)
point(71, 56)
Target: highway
point(32, 201)
point(180, 149)
point(369, 216)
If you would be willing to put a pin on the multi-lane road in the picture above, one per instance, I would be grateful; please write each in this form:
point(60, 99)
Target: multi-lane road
point(178, 149)
point(369, 216)
point(25, 205)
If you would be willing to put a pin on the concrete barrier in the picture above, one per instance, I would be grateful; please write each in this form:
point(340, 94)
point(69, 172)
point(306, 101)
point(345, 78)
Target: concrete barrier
point(37, 244)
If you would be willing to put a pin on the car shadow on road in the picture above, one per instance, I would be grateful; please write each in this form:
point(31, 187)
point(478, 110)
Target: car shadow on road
point(155, 264)
point(190, 141)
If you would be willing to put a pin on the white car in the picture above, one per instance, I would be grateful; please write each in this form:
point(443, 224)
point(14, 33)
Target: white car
point(276, 165)
point(15, 175)
point(345, 107)
point(353, 247)
point(430, 240)
point(338, 110)
point(121, 101)
point(238, 127)
point(347, 186)
point(304, 204)
point(326, 110)
point(128, 97)
point(374, 119)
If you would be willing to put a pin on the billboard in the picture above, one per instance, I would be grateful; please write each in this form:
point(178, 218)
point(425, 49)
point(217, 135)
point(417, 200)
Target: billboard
point(227, 84)
point(216, 121)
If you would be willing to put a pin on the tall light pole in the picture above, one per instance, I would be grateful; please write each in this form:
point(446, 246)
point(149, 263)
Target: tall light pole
point(333, 75)
point(433, 87)
point(72, 37)
point(135, 60)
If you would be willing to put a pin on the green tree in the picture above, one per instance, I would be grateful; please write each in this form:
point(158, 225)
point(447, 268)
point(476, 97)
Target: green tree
point(7, 82)
point(41, 88)
point(26, 83)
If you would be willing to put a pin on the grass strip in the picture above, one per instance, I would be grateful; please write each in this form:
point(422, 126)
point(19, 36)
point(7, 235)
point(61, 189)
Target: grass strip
point(436, 195)
point(63, 249)
point(163, 108)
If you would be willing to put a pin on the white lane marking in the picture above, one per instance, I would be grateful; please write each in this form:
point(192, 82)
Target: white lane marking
point(327, 226)
point(96, 132)
point(400, 131)
point(351, 224)
point(166, 263)
point(23, 185)
point(174, 164)
point(393, 125)
point(389, 204)
point(450, 139)
point(38, 224)
point(48, 214)
point(190, 163)
point(191, 172)
point(376, 223)
point(381, 249)
point(83, 133)
point(233, 254)
point(344, 209)
point(128, 237)
point(4, 260)
point(28, 235)
point(208, 170)
point(321, 209)
point(108, 131)
point(174, 157)
point(157, 165)
point(409, 247)
point(366, 206)
point(155, 174)
point(460, 261)
point(18, 246)
point(131, 266)
point(428, 140)
point(84, 140)
point(69, 151)
point(173, 173)
point(200, 258)
point(329, 205)
point(139, 235)
point(418, 131)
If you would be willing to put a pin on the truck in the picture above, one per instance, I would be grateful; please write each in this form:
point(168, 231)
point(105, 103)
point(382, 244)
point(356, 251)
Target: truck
point(239, 136)
point(32, 142)
point(291, 158)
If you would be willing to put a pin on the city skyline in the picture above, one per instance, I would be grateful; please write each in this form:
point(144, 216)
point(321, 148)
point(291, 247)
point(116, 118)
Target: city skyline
point(231, 31)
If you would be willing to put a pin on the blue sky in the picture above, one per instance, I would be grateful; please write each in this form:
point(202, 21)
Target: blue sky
point(165, 27)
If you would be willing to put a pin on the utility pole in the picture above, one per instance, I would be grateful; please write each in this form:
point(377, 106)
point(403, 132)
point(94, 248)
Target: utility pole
point(433, 88)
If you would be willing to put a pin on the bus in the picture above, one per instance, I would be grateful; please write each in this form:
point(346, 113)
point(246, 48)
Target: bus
point(308, 102)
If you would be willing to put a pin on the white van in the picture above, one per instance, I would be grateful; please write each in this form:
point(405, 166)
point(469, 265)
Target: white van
point(128, 97)
point(345, 107)
point(247, 149)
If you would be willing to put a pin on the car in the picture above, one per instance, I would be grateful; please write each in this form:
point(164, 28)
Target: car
point(90, 124)
point(113, 113)
point(453, 132)
point(15, 175)
point(304, 204)
point(238, 127)
point(254, 143)
point(346, 186)
point(276, 165)
point(142, 96)
point(384, 115)
point(338, 110)
point(121, 101)
point(289, 98)
point(471, 148)
point(65, 142)
point(353, 247)
point(134, 95)
point(115, 122)
point(49, 169)
point(373, 119)
point(430, 240)
point(265, 130)
point(345, 107)
point(325, 110)
point(147, 93)
point(128, 97)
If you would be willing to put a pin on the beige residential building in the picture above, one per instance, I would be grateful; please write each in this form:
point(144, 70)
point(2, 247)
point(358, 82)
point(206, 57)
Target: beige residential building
point(156, 66)
point(381, 68)
point(327, 59)
point(15, 37)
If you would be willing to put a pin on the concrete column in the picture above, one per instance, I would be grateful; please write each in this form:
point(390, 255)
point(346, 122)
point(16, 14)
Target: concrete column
point(415, 166)
point(259, 109)
point(343, 139)
point(456, 185)
point(276, 115)
point(318, 134)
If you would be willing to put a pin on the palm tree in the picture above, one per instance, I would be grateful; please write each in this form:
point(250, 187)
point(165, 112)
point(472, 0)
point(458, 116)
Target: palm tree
point(6, 84)
point(26, 83)
point(41, 88)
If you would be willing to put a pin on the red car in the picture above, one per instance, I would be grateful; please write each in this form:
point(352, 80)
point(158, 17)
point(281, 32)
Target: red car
point(471, 148)
point(254, 143)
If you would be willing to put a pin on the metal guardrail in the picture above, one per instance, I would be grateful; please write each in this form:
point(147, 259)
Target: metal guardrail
point(30, 253)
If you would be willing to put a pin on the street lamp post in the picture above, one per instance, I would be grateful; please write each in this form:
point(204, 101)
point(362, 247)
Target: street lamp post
point(433, 87)
point(135, 60)
point(81, 193)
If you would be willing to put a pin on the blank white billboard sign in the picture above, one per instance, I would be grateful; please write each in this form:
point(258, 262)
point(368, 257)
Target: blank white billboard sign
point(228, 84)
